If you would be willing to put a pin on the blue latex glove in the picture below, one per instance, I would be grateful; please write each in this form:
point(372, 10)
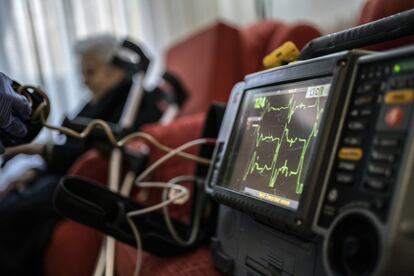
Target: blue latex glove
point(13, 109)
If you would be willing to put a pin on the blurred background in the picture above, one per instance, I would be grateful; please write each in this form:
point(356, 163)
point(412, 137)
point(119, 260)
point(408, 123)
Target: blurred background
point(38, 38)
point(208, 45)
point(38, 35)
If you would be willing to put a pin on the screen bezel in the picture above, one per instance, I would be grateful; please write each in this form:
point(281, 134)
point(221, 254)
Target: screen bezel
point(337, 66)
point(239, 123)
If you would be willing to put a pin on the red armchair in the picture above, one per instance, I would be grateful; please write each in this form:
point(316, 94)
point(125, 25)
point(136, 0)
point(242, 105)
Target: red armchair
point(209, 64)
point(261, 38)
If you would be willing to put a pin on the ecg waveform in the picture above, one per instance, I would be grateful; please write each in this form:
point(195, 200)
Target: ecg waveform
point(279, 166)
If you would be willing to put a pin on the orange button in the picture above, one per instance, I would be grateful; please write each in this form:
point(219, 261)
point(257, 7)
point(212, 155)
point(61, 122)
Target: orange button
point(352, 154)
point(399, 96)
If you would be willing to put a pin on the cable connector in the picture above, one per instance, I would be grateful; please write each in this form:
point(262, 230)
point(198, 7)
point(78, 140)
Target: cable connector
point(284, 54)
point(180, 199)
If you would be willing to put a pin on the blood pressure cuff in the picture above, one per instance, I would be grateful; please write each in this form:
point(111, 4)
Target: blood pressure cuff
point(93, 205)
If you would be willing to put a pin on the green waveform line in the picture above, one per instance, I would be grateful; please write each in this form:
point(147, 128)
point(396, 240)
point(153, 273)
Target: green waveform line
point(263, 138)
point(284, 170)
point(292, 107)
point(260, 102)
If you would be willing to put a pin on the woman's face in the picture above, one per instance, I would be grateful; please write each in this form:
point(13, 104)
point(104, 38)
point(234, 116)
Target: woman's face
point(95, 74)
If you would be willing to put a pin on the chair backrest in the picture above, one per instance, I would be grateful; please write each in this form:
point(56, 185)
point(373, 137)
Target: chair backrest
point(209, 64)
point(261, 38)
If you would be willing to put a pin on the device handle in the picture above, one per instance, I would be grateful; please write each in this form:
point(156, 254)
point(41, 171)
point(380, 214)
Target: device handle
point(388, 28)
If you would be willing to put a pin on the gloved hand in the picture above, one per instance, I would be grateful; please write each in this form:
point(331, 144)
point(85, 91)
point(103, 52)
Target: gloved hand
point(13, 109)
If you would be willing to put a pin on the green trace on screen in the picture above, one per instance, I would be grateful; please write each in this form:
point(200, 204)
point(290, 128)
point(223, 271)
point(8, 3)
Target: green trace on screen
point(286, 171)
point(259, 102)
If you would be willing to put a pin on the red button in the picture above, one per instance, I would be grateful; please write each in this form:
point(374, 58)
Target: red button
point(394, 116)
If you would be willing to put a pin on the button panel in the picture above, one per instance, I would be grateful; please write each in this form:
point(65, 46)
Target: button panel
point(358, 125)
point(382, 156)
point(403, 96)
point(347, 166)
point(352, 141)
point(352, 154)
point(386, 142)
point(376, 184)
point(371, 142)
point(345, 179)
point(379, 170)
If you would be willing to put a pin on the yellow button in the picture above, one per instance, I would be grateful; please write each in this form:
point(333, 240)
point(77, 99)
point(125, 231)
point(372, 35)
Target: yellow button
point(353, 154)
point(288, 52)
point(399, 96)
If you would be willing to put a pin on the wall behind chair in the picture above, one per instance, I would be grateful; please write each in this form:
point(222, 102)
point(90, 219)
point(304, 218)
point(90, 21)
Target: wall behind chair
point(328, 15)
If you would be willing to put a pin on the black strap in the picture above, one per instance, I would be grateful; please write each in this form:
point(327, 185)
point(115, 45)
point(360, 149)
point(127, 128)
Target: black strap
point(94, 205)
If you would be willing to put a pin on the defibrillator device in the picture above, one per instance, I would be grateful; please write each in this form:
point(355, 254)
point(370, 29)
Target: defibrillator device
point(313, 165)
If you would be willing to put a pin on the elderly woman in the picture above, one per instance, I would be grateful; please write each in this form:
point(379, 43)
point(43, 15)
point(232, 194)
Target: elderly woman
point(109, 85)
point(27, 216)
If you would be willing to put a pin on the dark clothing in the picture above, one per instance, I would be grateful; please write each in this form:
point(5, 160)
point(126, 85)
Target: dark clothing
point(26, 223)
point(109, 108)
point(27, 218)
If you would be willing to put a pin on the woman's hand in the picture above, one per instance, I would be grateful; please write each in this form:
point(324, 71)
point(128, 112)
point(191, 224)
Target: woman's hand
point(30, 149)
point(20, 183)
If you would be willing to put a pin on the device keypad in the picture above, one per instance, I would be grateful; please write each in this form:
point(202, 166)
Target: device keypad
point(376, 184)
point(363, 100)
point(386, 142)
point(344, 178)
point(357, 125)
point(379, 170)
point(368, 87)
point(352, 141)
point(382, 156)
point(347, 166)
point(371, 143)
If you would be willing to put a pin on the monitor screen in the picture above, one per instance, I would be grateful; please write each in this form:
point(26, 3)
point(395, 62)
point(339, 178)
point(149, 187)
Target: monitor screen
point(273, 140)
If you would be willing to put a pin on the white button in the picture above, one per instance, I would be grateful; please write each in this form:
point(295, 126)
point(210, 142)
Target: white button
point(333, 195)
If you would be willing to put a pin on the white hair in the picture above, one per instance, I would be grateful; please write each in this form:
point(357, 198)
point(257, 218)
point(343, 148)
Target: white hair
point(103, 46)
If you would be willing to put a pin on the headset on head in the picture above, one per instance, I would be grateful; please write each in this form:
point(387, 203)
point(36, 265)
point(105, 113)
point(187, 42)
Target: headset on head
point(130, 57)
